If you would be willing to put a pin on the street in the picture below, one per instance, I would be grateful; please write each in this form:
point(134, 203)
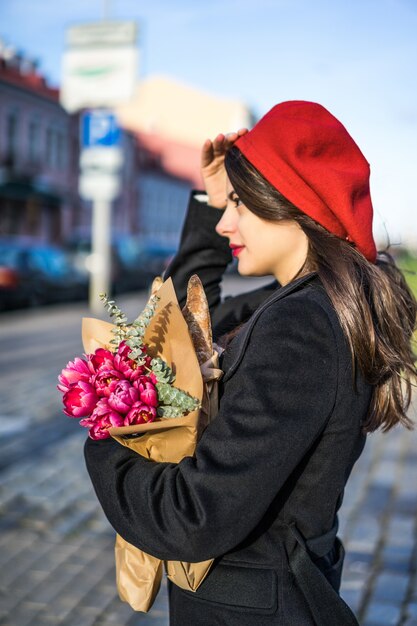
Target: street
point(56, 547)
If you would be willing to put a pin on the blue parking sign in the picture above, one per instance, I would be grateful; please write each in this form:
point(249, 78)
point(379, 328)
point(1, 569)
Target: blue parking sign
point(99, 128)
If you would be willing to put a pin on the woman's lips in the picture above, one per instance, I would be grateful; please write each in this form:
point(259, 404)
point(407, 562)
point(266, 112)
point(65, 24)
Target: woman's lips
point(236, 249)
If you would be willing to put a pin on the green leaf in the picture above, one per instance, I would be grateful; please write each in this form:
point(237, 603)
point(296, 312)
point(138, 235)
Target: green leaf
point(148, 312)
point(162, 371)
point(169, 411)
point(169, 395)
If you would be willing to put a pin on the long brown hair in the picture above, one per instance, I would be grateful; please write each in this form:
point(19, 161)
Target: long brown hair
point(376, 309)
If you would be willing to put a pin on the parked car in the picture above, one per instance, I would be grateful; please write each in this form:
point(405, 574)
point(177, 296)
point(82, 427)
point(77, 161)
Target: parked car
point(133, 272)
point(15, 286)
point(134, 264)
point(57, 279)
point(32, 274)
point(155, 257)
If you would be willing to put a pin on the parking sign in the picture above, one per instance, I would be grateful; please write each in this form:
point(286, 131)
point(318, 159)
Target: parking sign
point(99, 128)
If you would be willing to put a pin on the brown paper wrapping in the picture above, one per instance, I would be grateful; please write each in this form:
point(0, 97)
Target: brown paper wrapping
point(138, 575)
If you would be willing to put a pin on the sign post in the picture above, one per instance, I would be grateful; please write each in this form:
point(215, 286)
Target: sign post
point(99, 72)
point(100, 281)
point(100, 65)
point(100, 161)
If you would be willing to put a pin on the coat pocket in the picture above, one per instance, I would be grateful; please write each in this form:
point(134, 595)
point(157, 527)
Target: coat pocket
point(240, 587)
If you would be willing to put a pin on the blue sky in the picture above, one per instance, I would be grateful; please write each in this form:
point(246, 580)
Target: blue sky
point(358, 58)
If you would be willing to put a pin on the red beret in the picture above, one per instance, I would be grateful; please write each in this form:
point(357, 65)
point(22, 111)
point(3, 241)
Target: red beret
point(309, 156)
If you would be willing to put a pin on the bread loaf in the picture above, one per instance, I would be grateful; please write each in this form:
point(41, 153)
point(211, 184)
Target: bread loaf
point(156, 283)
point(197, 315)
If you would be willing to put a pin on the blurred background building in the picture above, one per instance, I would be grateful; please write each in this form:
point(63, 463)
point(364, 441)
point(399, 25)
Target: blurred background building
point(171, 121)
point(45, 226)
point(38, 154)
point(39, 160)
point(360, 71)
point(164, 127)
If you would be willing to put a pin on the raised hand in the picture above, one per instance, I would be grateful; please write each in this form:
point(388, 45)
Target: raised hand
point(212, 166)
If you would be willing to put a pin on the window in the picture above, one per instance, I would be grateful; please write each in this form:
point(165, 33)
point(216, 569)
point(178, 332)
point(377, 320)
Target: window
point(11, 137)
point(60, 148)
point(49, 149)
point(33, 138)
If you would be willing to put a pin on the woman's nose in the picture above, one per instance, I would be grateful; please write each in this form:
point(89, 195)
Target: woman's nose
point(226, 224)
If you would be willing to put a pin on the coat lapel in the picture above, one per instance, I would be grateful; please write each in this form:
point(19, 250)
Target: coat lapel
point(243, 337)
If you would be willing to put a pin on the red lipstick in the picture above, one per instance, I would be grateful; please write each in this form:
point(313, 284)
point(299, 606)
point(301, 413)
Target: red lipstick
point(236, 249)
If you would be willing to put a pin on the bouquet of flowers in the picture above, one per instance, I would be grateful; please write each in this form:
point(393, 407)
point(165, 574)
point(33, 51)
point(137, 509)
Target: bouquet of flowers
point(122, 386)
point(145, 378)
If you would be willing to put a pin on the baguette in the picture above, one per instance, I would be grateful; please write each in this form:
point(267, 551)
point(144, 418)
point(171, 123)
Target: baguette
point(197, 315)
point(156, 284)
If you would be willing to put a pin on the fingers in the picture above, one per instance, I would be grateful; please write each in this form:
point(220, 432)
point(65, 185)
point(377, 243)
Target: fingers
point(223, 142)
point(219, 146)
point(226, 141)
point(213, 149)
point(207, 153)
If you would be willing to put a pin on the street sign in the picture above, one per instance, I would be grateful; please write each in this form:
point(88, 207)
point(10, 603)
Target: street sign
point(100, 65)
point(101, 158)
point(99, 128)
point(106, 32)
point(99, 186)
point(100, 69)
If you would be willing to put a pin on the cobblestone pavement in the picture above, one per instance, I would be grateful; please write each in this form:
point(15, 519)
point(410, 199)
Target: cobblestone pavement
point(56, 547)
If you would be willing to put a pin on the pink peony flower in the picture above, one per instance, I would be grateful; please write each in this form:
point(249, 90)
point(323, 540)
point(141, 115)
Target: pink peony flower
point(123, 396)
point(101, 419)
point(147, 391)
point(75, 370)
point(140, 413)
point(80, 399)
point(100, 428)
point(102, 357)
point(126, 365)
point(106, 380)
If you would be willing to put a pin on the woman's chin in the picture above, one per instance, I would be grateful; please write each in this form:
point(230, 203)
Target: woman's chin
point(247, 271)
point(243, 272)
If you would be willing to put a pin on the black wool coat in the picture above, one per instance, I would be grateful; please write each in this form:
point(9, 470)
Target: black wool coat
point(268, 473)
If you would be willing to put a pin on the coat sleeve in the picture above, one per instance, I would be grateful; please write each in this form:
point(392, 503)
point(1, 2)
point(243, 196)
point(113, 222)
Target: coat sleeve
point(201, 251)
point(273, 409)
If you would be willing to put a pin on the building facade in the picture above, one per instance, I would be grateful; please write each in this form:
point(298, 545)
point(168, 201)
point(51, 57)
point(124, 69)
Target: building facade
point(162, 132)
point(171, 121)
point(165, 177)
point(38, 155)
point(39, 161)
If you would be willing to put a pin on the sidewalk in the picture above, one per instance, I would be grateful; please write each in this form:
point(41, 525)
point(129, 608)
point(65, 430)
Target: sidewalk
point(56, 549)
point(379, 529)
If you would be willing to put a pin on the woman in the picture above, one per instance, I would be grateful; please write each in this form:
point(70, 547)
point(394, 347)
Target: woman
point(312, 363)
